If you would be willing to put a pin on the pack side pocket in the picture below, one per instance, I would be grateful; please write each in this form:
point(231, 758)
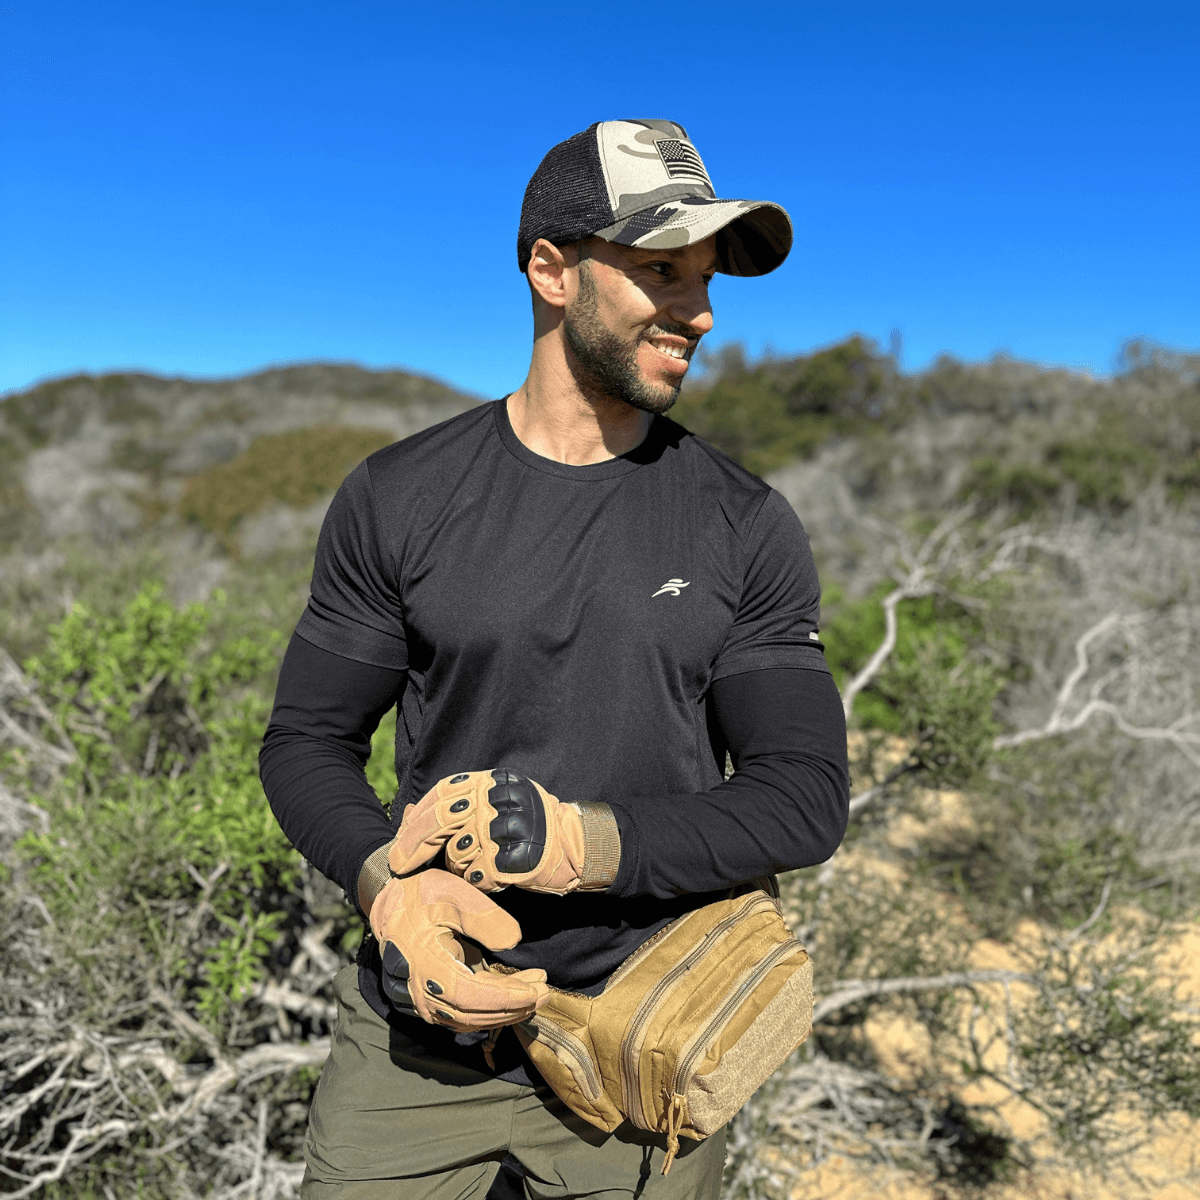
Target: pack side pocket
point(569, 1067)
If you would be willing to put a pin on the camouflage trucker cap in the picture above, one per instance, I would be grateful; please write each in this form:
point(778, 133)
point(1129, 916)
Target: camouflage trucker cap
point(642, 183)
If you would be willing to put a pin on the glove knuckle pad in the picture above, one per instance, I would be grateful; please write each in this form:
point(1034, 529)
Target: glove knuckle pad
point(394, 963)
point(397, 992)
point(519, 828)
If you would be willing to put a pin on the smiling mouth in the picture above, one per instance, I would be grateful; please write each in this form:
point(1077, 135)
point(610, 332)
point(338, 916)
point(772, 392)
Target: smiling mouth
point(673, 350)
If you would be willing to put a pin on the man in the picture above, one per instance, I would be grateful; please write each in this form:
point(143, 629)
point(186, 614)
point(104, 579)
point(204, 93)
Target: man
point(567, 585)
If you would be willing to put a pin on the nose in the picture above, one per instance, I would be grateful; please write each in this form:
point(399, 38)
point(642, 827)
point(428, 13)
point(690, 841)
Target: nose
point(692, 307)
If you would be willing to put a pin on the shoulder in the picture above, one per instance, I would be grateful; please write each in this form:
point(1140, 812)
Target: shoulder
point(407, 470)
point(739, 494)
point(426, 448)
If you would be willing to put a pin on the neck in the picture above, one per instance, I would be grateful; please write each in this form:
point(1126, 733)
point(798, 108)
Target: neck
point(556, 417)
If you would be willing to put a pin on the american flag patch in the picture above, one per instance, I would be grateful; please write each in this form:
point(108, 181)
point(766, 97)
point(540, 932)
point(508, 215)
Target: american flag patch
point(682, 161)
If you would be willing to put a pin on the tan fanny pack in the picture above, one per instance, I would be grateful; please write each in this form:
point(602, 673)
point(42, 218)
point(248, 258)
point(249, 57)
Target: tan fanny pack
point(686, 1029)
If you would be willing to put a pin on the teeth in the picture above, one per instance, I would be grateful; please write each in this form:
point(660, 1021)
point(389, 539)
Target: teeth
point(673, 351)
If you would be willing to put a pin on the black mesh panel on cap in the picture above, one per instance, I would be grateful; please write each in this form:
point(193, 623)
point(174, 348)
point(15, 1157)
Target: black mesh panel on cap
point(566, 199)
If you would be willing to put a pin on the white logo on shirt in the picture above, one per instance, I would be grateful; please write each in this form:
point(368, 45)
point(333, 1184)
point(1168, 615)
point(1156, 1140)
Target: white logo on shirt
point(674, 586)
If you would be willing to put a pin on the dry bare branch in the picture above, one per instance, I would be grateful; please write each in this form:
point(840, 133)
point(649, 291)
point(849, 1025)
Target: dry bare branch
point(1178, 733)
point(15, 684)
point(851, 991)
point(862, 799)
point(883, 651)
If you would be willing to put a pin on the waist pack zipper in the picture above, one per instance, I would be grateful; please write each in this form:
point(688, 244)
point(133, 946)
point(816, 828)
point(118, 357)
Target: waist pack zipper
point(629, 1055)
point(573, 1049)
point(725, 1013)
point(675, 1106)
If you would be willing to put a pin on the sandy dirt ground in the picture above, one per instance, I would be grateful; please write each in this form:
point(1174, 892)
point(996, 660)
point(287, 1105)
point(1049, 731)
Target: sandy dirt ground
point(1164, 1163)
point(1168, 1165)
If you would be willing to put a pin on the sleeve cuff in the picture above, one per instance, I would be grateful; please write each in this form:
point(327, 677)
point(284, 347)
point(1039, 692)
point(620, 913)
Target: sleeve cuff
point(350, 639)
point(804, 658)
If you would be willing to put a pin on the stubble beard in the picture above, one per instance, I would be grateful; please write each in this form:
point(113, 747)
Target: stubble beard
point(607, 364)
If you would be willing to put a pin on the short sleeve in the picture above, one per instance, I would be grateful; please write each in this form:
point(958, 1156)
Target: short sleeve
point(780, 605)
point(354, 608)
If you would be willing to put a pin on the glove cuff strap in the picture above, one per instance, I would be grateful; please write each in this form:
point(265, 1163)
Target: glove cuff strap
point(373, 874)
point(602, 845)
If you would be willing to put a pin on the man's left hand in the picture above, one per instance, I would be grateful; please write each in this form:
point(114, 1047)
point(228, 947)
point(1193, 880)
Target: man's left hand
point(501, 829)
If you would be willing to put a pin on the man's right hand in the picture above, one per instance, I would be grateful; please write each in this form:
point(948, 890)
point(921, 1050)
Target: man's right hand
point(417, 921)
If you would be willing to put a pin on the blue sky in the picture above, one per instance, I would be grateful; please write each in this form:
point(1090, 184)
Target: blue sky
point(207, 188)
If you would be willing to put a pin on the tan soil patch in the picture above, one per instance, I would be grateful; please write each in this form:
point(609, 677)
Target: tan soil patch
point(903, 1049)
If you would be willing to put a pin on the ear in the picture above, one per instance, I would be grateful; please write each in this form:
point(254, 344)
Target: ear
point(547, 272)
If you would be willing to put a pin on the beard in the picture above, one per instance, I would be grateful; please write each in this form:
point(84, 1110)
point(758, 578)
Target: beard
point(604, 363)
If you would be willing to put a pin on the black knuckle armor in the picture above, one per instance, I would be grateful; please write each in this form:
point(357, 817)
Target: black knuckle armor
point(519, 828)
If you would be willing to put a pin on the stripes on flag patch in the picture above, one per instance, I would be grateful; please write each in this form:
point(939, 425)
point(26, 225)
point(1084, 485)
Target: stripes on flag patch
point(682, 161)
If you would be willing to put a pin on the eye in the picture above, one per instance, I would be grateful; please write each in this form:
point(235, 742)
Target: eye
point(660, 268)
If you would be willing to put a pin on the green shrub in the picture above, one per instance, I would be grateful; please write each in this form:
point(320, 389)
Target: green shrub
point(149, 910)
point(1026, 487)
point(1031, 435)
point(1183, 479)
point(162, 802)
point(1108, 467)
point(749, 420)
point(845, 381)
point(381, 767)
point(943, 698)
point(770, 415)
point(931, 688)
point(1044, 842)
point(295, 468)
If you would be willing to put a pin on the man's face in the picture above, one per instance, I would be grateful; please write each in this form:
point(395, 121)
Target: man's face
point(636, 319)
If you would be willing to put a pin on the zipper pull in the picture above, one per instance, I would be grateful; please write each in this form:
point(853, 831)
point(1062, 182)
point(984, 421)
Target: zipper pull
point(490, 1045)
point(676, 1109)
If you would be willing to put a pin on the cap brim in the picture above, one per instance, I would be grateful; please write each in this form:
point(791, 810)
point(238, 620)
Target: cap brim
point(753, 236)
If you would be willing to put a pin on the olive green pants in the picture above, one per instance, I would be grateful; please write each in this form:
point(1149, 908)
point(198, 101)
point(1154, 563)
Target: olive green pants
point(390, 1122)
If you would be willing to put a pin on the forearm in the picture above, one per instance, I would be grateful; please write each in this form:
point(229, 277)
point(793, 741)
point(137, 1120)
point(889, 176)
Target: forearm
point(785, 807)
point(313, 758)
point(324, 804)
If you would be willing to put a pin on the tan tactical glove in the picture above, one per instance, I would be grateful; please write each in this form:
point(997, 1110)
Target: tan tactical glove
point(501, 829)
point(427, 968)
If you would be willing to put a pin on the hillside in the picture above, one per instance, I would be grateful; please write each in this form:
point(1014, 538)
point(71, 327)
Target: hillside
point(106, 457)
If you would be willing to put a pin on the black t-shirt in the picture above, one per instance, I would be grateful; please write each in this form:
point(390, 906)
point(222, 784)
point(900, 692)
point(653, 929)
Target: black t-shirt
point(570, 622)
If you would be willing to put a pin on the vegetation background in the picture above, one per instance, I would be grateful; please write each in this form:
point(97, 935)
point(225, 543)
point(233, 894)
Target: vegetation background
point(1002, 945)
